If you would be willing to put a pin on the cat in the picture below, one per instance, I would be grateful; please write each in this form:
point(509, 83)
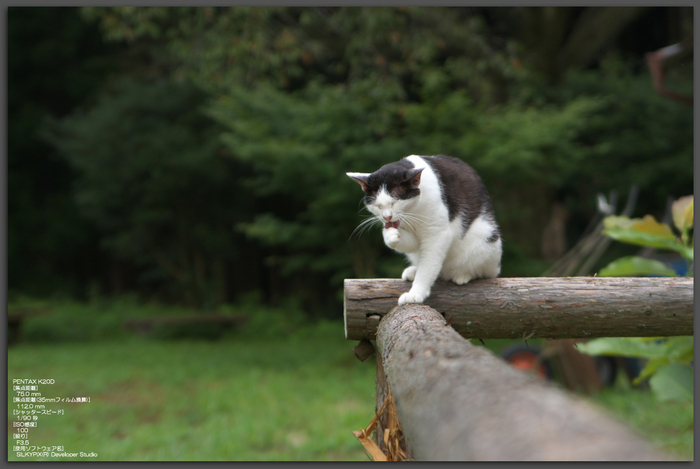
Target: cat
point(435, 210)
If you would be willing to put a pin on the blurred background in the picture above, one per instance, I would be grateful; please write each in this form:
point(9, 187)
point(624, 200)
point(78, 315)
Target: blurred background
point(191, 161)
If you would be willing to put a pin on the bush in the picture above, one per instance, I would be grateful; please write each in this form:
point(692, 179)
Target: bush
point(103, 319)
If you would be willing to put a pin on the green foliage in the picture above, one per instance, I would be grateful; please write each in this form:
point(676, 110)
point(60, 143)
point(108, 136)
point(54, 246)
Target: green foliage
point(104, 318)
point(54, 62)
point(635, 137)
point(647, 232)
point(669, 359)
point(395, 50)
point(677, 348)
point(152, 177)
point(635, 265)
point(295, 97)
point(668, 363)
point(127, 23)
point(266, 322)
point(73, 321)
point(300, 145)
point(522, 143)
point(667, 424)
point(673, 382)
point(682, 210)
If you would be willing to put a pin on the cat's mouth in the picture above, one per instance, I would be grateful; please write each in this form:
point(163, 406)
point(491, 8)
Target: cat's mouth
point(391, 224)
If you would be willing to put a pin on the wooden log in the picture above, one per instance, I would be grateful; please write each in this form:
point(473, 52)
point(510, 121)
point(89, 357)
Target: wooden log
point(459, 402)
point(557, 307)
point(363, 350)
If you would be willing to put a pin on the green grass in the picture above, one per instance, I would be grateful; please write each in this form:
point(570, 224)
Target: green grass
point(258, 395)
point(667, 425)
point(289, 399)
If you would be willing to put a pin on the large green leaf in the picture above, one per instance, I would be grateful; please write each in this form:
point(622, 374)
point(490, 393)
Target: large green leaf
point(650, 368)
point(673, 382)
point(627, 346)
point(682, 210)
point(645, 232)
point(635, 265)
point(660, 351)
point(678, 348)
point(619, 221)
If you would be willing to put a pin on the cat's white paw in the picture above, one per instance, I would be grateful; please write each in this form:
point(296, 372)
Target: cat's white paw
point(409, 273)
point(413, 296)
point(391, 237)
point(462, 279)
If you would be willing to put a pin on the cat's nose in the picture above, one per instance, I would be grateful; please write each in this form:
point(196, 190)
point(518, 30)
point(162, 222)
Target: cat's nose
point(388, 215)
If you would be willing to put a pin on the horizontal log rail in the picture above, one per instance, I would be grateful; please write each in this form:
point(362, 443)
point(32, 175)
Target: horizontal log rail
point(532, 307)
point(457, 401)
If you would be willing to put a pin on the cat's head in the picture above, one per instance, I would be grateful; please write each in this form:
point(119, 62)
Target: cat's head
point(390, 191)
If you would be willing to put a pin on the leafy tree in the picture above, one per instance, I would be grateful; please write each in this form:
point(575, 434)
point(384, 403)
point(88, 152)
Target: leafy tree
point(55, 62)
point(153, 177)
point(302, 95)
point(403, 49)
point(307, 93)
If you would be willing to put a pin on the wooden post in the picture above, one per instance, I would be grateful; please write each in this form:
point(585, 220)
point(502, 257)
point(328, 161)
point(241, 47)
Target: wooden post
point(456, 401)
point(557, 307)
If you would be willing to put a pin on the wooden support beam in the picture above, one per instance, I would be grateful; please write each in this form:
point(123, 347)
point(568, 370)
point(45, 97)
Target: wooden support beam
point(529, 307)
point(457, 401)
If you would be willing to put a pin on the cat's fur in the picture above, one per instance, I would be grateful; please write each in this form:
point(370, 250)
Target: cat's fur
point(436, 210)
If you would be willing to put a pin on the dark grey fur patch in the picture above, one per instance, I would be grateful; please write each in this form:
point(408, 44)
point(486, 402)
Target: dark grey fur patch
point(494, 237)
point(396, 177)
point(463, 191)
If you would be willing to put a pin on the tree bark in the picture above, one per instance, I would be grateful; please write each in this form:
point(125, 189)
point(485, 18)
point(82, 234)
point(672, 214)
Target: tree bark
point(592, 33)
point(556, 40)
point(558, 307)
point(457, 401)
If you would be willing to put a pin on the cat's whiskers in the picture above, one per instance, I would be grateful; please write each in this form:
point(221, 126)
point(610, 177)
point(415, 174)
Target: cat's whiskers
point(409, 219)
point(364, 225)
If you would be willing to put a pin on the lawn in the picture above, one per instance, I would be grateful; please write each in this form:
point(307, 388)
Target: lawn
point(293, 398)
point(285, 399)
point(668, 425)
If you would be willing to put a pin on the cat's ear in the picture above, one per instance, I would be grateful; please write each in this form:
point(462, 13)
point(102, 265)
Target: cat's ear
point(413, 177)
point(361, 178)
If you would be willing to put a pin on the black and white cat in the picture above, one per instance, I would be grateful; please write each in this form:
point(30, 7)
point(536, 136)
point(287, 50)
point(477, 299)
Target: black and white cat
point(436, 210)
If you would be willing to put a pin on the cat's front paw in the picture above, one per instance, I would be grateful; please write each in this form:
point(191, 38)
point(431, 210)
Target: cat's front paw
point(391, 237)
point(413, 296)
point(409, 274)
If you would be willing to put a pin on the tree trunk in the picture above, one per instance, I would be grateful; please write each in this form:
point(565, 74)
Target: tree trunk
point(457, 401)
